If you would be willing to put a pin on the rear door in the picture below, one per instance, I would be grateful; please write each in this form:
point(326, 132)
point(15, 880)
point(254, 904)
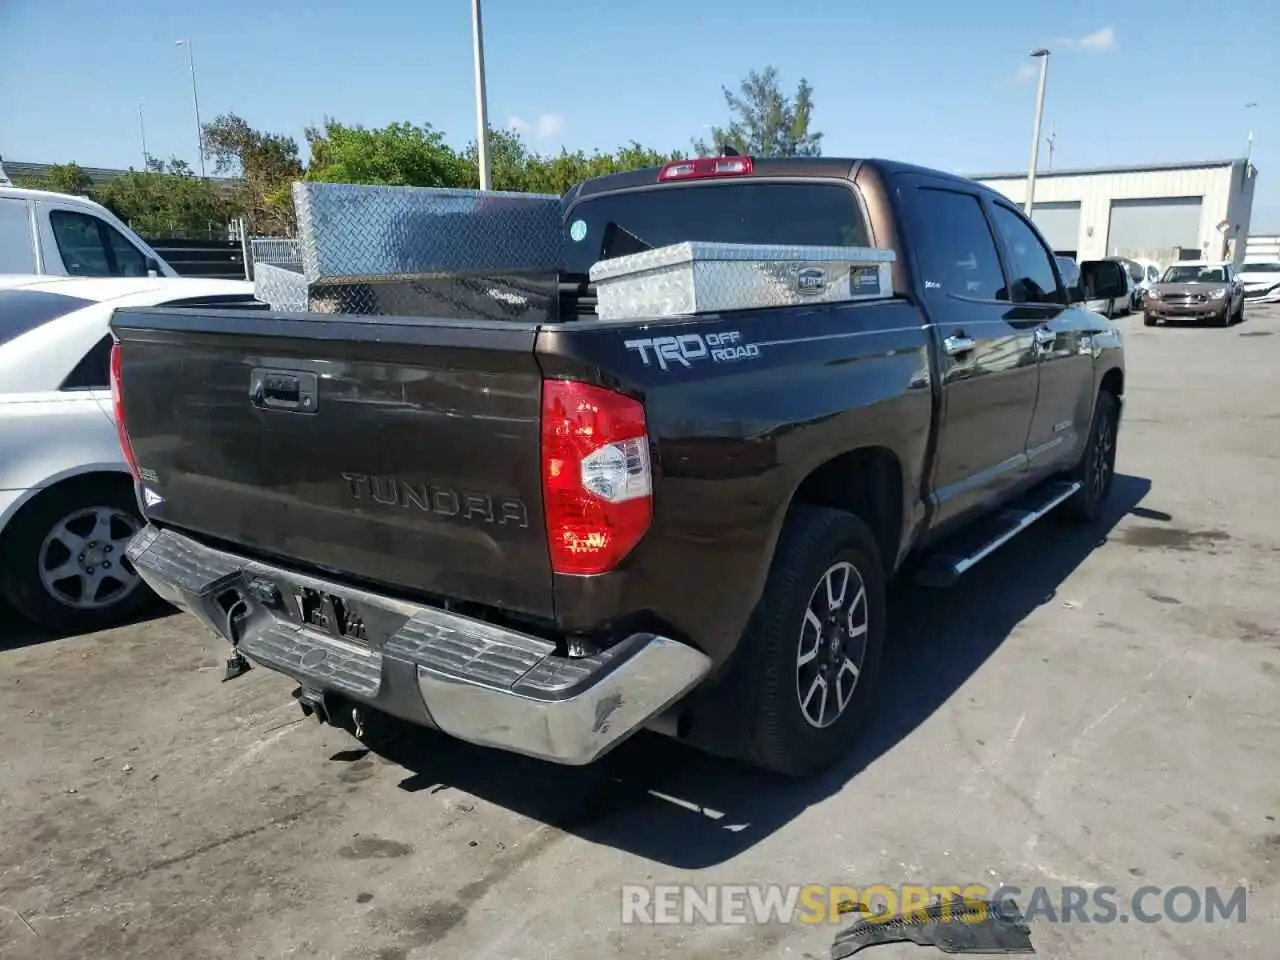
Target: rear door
point(987, 354)
point(1062, 342)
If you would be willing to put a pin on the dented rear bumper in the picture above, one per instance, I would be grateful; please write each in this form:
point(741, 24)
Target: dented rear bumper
point(482, 683)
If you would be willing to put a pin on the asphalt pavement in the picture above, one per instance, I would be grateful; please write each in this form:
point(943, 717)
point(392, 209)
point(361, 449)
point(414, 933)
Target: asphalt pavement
point(1087, 709)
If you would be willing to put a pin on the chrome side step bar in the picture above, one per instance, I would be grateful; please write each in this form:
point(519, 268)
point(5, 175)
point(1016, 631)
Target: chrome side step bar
point(946, 567)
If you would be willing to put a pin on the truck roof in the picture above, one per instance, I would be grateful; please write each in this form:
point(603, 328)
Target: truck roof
point(818, 167)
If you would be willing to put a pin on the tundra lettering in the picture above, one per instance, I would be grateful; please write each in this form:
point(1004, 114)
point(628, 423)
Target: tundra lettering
point(438, 500)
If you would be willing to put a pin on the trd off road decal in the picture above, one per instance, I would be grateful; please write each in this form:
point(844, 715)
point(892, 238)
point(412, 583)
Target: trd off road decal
point(689, 348)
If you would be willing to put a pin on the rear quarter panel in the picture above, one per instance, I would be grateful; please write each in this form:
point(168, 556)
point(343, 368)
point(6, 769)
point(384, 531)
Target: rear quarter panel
point(734, 435)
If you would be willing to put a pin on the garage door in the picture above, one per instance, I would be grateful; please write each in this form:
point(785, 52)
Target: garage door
point(1142, 227)
point(1060, 224)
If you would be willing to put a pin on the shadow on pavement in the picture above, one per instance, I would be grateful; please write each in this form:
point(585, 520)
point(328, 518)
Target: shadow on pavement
point(655, 798)
point(17, 632)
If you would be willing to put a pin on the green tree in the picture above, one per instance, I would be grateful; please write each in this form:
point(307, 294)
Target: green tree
point(266, 164)
point(512, 165)
point(765, 122)
point(60, 178)
point(167, 200)
point(400, 154)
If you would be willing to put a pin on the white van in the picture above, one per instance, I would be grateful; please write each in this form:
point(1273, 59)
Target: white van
point(61, 235)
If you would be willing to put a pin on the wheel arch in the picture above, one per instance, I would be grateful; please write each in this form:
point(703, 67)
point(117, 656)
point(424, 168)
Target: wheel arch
point(1113, 382)
point(87, 475)
point(869, 483)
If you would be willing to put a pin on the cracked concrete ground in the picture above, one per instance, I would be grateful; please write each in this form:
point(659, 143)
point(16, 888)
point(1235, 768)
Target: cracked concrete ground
point(1085, 708)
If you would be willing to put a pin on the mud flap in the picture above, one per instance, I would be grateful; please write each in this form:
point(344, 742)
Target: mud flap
point(955, 926)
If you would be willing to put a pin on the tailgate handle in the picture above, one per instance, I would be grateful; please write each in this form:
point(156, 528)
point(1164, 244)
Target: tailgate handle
point(288, 390)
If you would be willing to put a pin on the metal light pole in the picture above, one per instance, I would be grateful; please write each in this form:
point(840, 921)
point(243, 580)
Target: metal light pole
point(195, 99)
point(142, 129)
point(482, 106)
point(1043, 54)
point(1248, 149)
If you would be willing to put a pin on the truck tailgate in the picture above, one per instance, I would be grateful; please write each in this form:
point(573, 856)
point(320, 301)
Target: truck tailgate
point(400, 452)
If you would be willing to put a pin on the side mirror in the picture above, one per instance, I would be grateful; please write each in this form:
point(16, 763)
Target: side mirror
point(1103, 280)
point(153, 267)
point(1070, 272)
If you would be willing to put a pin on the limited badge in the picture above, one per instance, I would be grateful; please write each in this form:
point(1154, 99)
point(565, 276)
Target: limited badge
point(578, 231)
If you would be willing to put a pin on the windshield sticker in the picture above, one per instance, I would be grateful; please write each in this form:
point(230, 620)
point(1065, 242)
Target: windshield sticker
point(578, 231)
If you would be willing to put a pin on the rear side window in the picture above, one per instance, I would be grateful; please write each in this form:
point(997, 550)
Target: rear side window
point(91, 247)
point(957, 253)
point(21, 311)
point(17, 245)
point(616, 224)
point(93, 372)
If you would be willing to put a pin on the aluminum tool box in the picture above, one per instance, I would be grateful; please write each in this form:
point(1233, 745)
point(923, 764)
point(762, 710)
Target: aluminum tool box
point(415, 251)
point(697, 277)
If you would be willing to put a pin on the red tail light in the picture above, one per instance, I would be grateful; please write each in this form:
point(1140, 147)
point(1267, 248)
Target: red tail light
point(117, 404)
point(596, 479)
point(704, 167)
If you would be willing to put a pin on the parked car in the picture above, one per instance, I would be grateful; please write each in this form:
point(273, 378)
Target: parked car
point(55, 233)
point(1143, 274)
point(544, 535)
point(67, 505)
point(1196, 290)
point(1111, 307)
point(1261, 280)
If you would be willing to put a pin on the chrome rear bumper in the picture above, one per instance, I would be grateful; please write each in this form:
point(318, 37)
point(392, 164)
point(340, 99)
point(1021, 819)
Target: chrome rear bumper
point(473, 680)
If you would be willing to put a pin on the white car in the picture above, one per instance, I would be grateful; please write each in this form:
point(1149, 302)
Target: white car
point(63, 235)
point(1261, 281)
point(67, 503)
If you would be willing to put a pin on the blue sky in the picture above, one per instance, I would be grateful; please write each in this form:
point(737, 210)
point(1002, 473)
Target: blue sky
point(939, 83)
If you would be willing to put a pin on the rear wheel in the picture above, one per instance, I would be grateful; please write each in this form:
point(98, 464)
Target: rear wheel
point(64, 564)
point(815, 642)
point(1097, 467)
point(1148, 320)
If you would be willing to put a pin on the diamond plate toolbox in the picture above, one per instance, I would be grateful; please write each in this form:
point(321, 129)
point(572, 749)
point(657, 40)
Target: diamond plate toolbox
point(698, 277)
point(416, 251)
point(353, 233)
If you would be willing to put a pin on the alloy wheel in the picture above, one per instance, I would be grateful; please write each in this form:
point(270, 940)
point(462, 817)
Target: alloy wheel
point(82, 559)
point(832, 644)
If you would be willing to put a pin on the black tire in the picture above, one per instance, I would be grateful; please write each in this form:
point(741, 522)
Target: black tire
point(23, 549)
point(814, 541)
point(1240, 313)
point(1097, 467)
point(1148, 320)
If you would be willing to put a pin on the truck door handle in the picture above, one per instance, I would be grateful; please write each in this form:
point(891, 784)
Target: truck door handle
point(958, 344)
point(1044, 336)
point(289, 390)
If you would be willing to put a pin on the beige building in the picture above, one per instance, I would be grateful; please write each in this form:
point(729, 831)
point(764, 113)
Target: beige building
point(1161, 212)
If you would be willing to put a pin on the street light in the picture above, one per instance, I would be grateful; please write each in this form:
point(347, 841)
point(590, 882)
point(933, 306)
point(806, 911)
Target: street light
point(482, 106)
point(1043, 54)
point(1248, 150)
point(195, 99)
point(142, 129)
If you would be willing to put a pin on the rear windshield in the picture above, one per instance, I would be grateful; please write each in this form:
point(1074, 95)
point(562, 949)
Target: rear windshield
point(23, 310)
point(1260, 268)
point(616, 224)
